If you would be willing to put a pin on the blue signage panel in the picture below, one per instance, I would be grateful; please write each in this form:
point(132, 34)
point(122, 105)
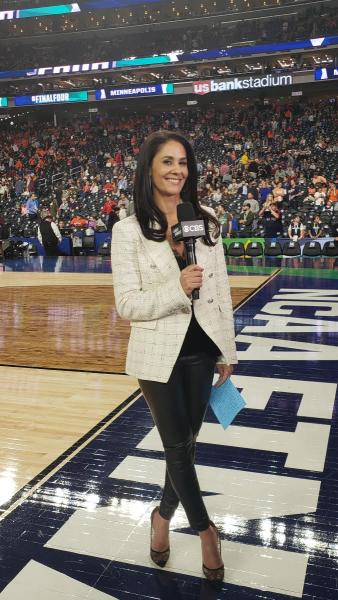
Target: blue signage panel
point(259, 49)
point(170, 58)
point(323, 73)
point(141, 90)
point(52, 98)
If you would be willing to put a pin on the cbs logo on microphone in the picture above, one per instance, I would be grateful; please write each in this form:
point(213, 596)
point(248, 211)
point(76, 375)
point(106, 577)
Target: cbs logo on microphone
point(194, 228)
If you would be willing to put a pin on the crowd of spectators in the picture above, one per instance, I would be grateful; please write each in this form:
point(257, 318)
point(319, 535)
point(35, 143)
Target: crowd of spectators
point(139, 15)
point(266, 169)
point(313, 21)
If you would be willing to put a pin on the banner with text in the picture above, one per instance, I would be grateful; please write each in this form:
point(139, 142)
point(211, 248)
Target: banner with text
point(51, 98)
point(240, 83)
point(140, 90)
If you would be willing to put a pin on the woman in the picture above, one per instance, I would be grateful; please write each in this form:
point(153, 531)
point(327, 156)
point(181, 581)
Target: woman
point(316, 229)
point(174, 346)
point(296, 229)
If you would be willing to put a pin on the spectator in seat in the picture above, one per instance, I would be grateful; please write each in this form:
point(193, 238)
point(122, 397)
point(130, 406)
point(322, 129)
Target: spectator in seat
point(100, 225)
point(316, 229)
point(244, 159)
point(332, 193)
point(245, 221)
point(233, 188)
point(32, 207)
point(294, 194)
point(92, 222)
point(113, 218)
point(319, 198)
point(224, 170)
point(225, 219)
point(264, 189)
point(78, 221)
point(19, 187)
point(317, 178)
point(271, 218)
point(334, 231)
point(123, 200)
point(253, 168)
point(3, 190)
point(278, 192)
point(217, 195)
point(4, 229)
point(254, 206)
point(296, 229)
point(109, 187)
point(109, 206)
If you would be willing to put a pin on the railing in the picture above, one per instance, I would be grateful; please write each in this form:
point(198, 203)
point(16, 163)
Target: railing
point(43, 183)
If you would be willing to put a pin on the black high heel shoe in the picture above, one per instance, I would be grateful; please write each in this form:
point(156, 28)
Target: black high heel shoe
point(159, 558)
point(215, 576)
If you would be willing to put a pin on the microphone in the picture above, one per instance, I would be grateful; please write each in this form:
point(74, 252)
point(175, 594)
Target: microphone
point(188, 229)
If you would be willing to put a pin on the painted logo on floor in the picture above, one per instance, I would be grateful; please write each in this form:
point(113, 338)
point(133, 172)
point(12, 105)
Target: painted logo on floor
point(267, 481)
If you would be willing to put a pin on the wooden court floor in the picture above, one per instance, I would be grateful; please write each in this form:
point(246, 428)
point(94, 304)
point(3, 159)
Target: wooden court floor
point(62, 354)
point(69, 320)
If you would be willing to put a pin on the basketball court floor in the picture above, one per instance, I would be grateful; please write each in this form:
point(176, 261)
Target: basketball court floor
point(81, 464)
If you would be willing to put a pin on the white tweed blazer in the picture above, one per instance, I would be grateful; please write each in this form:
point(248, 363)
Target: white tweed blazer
point(149, 294)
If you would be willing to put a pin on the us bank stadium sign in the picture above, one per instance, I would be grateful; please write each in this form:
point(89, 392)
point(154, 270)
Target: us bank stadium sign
point(238, 83)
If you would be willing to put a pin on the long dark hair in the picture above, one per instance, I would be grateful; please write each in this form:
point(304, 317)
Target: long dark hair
point(153, 222)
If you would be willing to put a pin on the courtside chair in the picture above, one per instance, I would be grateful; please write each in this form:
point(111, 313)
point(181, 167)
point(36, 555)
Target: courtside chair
point(236, 249)
point(254, 249)
point(312, 248)
point(272, 248)
point(104, 249)
point(291, 248)
point(330, 248)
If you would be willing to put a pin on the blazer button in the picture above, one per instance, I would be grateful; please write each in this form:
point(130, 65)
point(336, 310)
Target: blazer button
point(211, 274)
point(210, 301)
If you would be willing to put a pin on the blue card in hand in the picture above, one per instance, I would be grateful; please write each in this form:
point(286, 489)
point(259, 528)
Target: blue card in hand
point(226, 402)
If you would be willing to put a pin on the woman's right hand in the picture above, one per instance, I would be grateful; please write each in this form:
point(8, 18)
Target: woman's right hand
point(191, 278)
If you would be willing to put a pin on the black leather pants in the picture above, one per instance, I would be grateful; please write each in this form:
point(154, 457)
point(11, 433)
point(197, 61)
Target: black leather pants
point(178, 408)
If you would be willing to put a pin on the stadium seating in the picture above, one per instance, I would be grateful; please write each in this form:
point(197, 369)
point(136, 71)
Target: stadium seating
point(254, 249)
point(312, 248)
point(272, 248)
point(104, 249)
point(85, 182)
point(291, 248)
point(236, 249)
point(330, 248)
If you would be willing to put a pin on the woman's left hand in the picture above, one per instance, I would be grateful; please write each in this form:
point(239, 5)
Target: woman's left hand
point(224, 372)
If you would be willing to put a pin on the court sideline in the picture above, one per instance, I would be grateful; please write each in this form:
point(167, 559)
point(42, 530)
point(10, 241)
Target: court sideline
point(272, 426)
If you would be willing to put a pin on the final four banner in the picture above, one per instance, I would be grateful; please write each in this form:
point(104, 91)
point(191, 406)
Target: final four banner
point(51, 98)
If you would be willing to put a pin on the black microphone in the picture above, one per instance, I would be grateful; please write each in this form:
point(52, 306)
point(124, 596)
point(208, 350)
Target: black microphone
point(187, 230)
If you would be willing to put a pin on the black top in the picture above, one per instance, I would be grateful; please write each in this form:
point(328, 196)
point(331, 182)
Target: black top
point(196, 340)
point(47, 233)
